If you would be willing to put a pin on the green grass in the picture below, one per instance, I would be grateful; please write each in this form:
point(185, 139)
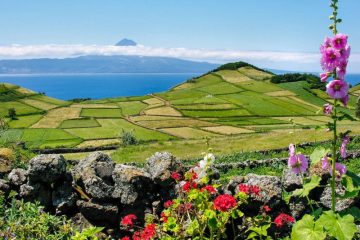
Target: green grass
point(50, 100)
point(258, 86)
point(299, 89)
point(207, 106)
point(24, 121)
point(216, 113)
point(220, 88)
point(250, 121)
point(21, 108)
point(101, 112)
point(80, 123)
point(132, 107)
point(258, 104)
point(112, 128)
point(36, 138)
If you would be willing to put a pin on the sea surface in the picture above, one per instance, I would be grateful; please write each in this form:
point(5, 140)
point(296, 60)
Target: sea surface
point(96, 86)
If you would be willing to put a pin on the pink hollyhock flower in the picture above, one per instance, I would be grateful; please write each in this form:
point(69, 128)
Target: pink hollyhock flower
point(337, 89)
point(292, 149)
point(344, 143)
point(345, 53)
point(328, 108)
point(330, 59)
point(325, 163)
point(327, 43)
point(345, 100)
point(224, 202)
point(341, 70)
point(283, 219)
point(340, 169)
point(298, 163)
point(324, 76)
point(339, 41)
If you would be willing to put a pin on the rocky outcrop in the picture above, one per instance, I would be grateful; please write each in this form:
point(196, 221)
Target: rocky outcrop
point(17, 177)
point(46, 168)
point(161, 165)
point(94, 175)
point(4, 187)
point(131, 184)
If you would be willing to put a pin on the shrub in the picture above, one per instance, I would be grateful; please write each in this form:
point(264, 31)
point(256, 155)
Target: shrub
point(358, 108)
point(12, 113)
point(128, 138)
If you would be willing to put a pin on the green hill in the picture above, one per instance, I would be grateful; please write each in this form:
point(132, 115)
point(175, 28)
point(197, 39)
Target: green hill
point(233, 107)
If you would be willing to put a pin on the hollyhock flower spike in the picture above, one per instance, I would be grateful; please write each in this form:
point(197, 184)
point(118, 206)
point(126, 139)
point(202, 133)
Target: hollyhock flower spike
point(330, 59)
point(345, 100)
point(337, 89)
point(341, 70)
point(328, 109)
point(325, 163)
point(292, 149)
point(324, 76)
point(297, 162)
point(340, 170)
point(339, 41)
point(344, 143)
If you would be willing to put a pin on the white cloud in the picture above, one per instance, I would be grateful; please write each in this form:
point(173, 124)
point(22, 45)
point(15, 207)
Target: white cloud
point(281, 60)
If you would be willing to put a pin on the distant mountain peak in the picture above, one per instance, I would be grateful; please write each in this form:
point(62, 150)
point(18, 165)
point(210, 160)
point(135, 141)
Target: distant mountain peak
point(126, 42)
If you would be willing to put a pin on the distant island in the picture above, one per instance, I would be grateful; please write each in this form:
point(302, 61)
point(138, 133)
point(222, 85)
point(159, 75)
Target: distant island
point(104, 64)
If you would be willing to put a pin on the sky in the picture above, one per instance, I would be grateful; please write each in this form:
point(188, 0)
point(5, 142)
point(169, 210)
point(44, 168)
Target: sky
point(281, 34)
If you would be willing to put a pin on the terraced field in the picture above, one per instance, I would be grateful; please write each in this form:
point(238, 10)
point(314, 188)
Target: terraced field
point(228, 110)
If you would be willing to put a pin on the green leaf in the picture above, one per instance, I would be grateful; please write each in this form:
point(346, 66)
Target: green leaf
point(318, 154)
point(307, 229)
point(341, 228)
point(307, 187)
point(354, 211)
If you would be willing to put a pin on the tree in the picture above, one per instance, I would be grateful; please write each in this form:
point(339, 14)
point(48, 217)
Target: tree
point(358, 108)
point(12, 113)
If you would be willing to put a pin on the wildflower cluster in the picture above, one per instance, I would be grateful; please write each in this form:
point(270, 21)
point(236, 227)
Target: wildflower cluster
point(202, 210)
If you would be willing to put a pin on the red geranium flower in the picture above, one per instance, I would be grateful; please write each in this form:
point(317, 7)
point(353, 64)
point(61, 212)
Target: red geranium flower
point(283, 219)
point(248, 189)
point(224, 202)
point(168, 203)
point(176, 176)
point(188, 186)
point(267, 208)
point(210, 189)
point(128, 220)
point(163, 217)
point(125, 238)
point(147, 234)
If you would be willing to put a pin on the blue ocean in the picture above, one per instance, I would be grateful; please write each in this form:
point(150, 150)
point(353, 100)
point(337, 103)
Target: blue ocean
point(96, 86)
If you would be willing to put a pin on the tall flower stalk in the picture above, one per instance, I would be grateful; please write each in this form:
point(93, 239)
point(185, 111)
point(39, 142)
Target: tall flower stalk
point(335, 54)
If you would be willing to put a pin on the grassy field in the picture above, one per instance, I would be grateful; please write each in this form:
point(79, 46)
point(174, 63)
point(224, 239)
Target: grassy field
point(80, 123)
point(231, 110)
